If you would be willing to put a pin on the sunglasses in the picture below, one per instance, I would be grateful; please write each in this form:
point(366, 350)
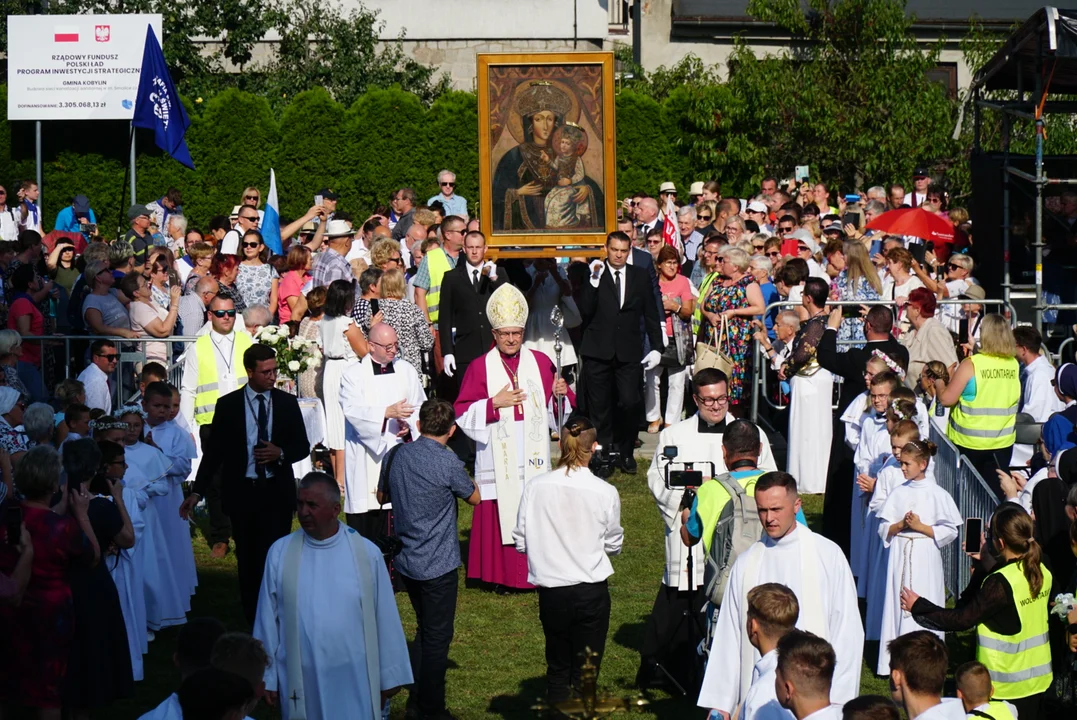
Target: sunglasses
point(705, 218)
point(110, 357)
point(397, 260)
point(251, 244)
point(224, 313)
point(448, 184)
point(774, 253)
point(654, 242)
point(757, 247)
point(252, 218)
point(802, 248)
point(954, 266)
point(250, 197)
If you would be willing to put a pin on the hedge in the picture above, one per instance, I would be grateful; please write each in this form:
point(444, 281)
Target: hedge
point(387, 139)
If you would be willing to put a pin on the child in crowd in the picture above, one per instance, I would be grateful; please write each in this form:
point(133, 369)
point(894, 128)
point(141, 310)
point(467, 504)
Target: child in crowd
point(568, 173)
point(772, 613)
point(917, 520)
point(68, 392)
point(76, 422)
point(974, 689)
point(920, 416)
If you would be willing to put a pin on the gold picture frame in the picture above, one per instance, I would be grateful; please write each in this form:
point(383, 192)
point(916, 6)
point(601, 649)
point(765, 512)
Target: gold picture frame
point(547, 152)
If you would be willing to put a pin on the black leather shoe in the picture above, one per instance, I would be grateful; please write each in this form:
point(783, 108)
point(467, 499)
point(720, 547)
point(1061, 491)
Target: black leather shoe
point(628, 464)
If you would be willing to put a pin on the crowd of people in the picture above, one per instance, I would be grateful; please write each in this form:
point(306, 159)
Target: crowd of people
point(446, 374)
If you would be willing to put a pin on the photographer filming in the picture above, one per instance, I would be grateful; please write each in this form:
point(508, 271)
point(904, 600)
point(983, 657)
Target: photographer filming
point(569, 521)
point(671, 635)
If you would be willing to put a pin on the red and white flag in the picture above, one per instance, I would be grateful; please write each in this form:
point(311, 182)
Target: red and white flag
point(669, 227)
point(65, 34)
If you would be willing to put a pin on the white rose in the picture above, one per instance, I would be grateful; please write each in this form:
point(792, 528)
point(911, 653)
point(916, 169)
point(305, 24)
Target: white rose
point(293, 365)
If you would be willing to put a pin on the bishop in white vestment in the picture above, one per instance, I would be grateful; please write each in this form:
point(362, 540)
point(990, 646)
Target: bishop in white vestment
point(505, 405)
point(380, 396)
point(815, 569)
point(328, 618)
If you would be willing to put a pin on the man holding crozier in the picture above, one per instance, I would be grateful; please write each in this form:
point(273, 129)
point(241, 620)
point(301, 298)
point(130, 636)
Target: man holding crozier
point(505, 405)
point(380, 395)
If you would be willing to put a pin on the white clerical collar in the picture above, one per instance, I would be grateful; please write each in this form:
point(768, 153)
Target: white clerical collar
point(786, 540)
point(329, 541)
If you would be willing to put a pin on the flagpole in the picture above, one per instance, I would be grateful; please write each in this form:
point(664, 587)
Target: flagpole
point(134, 198)
point(37, 157)
point(121, 216)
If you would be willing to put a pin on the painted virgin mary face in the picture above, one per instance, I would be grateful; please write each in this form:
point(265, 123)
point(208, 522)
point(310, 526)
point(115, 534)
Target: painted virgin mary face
point(542, 125)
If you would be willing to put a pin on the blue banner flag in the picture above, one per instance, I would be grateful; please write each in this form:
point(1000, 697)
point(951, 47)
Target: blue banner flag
point(271, 221)
point(158, 106)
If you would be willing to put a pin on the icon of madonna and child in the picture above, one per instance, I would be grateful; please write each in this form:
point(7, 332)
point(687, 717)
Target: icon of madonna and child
point(542, 184)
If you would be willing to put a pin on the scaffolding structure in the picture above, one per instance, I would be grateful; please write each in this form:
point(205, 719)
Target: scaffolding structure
point(1037, 61)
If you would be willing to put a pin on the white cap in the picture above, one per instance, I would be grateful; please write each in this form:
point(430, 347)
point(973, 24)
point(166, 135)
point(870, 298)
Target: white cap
point(756, 206)
point(338, 228)
point(667, 187)
point(696, 188)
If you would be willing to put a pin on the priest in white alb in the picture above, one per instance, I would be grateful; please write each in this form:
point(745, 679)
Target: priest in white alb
point(506, 405)
point(815, 569)
point(328, 618)
point(380, 396)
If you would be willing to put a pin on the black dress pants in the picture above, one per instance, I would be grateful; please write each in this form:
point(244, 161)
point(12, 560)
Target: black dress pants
point(574, 618)
point(987, 462)
point(838, 501)
point(434, 602)
point(220, 527)
point(614, 400)
point(260, 521)
point(370, 524)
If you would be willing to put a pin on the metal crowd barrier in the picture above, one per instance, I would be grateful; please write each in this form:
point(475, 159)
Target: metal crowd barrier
point(132, 357)
point(760, 362)
point(955, 474)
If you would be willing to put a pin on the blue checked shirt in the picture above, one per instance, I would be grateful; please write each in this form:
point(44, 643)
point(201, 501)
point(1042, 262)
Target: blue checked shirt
point(330, 265)
point(454, 204)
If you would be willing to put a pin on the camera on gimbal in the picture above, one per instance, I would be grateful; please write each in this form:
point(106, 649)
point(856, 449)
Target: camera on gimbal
point(604, 461)
point(683, 475)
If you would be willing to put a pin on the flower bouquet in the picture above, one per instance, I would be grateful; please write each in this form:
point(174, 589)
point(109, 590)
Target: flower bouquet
point(294, 354)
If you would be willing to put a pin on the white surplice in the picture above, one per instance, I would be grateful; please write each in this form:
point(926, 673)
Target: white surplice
point(167, 599)
point(178, 445)
point(761, 701)
point(914, 560)
point(1038, 399)
point(700, 448)
point(332, 641)
point(811, 428)
point(816, 570)
point(125, 567)
point(871, 450)
point(368, 435)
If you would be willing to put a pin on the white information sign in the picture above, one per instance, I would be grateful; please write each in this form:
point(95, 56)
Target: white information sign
point(75, 67)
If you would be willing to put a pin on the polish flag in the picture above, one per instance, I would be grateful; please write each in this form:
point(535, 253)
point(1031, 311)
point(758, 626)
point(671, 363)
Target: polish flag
point(670, 234)
point(66, 33)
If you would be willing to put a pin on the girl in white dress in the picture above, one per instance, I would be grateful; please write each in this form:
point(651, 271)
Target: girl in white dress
point(342, 344)
point(916, 521)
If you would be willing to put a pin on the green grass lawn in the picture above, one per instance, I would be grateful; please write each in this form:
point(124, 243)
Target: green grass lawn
point(496, 664)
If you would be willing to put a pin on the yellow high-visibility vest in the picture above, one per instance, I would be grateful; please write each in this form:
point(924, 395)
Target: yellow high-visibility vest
point(207, 390)
point(1020, 664)
point(987, 421)
point(437, 264)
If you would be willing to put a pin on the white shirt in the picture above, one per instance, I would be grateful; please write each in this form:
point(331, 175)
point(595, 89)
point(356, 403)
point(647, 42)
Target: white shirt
point(761, 702)
point(816, 270)
point(96, 383)
point(951, 313)
point(613, 278)
point(230, 243)
point(359, 251)
point(250, 401)
point(9, 227)
point(226, 371)
point(1039, 398)
point(948, 709)
point(832, 712)
point(569, 521)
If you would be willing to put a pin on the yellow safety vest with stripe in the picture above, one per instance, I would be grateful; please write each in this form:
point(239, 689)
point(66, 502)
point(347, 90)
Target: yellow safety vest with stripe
point(987, 421)
point(996, 710)
point(711, 499)
point(697, 313)
point(207, 390)
point(1020, 664)
point(437, 264)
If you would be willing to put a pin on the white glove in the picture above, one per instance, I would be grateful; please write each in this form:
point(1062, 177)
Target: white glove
point(489, 264)
point(651, 360)
point(449, 362)
point(596, 268)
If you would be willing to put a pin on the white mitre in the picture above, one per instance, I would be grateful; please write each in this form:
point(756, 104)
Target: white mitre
point(507, 307)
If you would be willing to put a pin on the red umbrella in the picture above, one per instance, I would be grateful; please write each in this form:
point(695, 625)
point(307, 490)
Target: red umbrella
point(916, 222)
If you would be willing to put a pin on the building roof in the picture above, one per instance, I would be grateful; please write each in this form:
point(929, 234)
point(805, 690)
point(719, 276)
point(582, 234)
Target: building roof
point(927, 12)
point(1047, 39)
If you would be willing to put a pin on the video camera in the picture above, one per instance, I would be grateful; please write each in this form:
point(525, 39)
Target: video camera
point(604, 461)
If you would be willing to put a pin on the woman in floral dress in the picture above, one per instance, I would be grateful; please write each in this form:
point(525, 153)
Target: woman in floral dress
point(738, 298)
point(257, 280)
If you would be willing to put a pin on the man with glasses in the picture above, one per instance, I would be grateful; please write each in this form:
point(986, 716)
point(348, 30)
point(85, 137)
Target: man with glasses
point(138, 237)
point(213, 370)
point(450, 201)
point(104, 355)
point(380, 396)
point(787, 224)
point(690, 237)
point(463, 327)
point(247, 219)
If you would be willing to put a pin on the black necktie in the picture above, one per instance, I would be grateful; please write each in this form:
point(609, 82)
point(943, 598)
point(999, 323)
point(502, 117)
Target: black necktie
point(263, 431)
point(475, 279)
point(617, 285)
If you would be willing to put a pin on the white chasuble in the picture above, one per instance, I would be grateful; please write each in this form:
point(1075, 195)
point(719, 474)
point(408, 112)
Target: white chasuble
point(368, 434)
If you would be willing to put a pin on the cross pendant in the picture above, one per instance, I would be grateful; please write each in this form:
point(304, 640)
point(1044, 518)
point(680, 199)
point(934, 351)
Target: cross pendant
point(295, 699)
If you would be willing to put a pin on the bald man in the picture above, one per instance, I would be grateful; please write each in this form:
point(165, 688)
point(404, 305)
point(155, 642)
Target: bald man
point(415, 236)
point(380, 396)
point(648, 216)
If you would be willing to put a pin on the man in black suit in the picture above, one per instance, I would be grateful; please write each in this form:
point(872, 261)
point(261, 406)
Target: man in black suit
point(464, 292)
point(611, 304)
point(850, 366)
point(256, 435)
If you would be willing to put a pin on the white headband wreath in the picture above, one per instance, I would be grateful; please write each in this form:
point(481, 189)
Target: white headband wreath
point(130, 410)
point(894, 367)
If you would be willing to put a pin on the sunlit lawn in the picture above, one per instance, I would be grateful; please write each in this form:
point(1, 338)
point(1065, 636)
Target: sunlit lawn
point(496, 662)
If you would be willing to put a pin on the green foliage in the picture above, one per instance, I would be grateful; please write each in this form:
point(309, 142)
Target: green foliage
point(309, 156)
point(644, 149)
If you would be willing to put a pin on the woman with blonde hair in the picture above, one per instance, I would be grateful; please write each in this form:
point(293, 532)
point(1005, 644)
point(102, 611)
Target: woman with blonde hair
point(984, 393)
point(1008, 608)
point(385, 255)
point(413, 333)
point(570, 508)
point(857, 281)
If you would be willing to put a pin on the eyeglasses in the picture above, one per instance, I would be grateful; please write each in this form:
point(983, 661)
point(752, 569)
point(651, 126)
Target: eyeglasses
point(705, 218)
point(224, 313)
point(252, 218)
point(509, 333)
point(712, 402)
point(387, 347)
point(250, 197)
point(448, 184)
point(251, 244)
point(654, 242)
point(110, 357)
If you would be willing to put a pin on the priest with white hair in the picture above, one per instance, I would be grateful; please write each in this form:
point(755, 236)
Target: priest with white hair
point(506, 405)
point(328, 618)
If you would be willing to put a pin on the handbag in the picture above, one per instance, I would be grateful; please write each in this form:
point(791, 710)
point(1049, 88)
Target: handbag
point(389, 544)
point(716, 354)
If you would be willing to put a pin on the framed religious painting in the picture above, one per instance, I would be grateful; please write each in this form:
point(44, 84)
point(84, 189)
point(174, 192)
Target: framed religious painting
point(547, 181)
